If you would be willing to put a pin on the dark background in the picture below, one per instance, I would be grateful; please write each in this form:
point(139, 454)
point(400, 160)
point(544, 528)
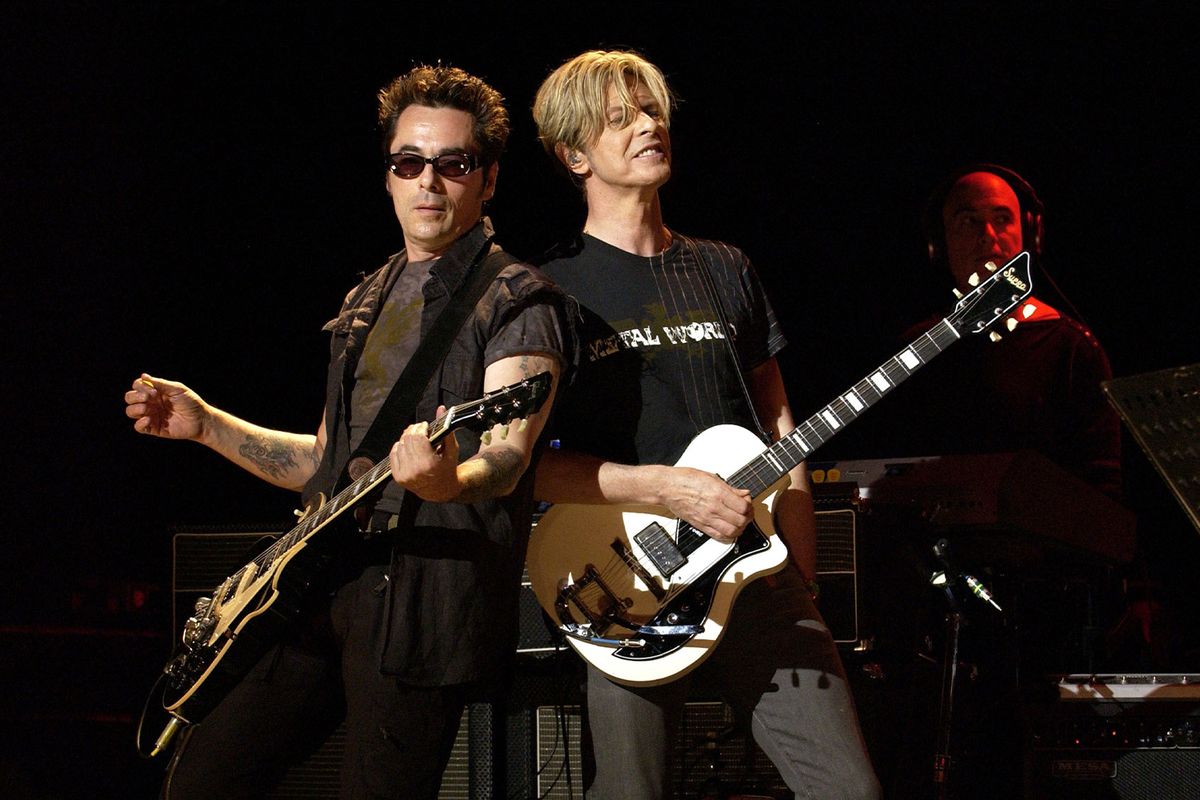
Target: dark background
point(189, 189)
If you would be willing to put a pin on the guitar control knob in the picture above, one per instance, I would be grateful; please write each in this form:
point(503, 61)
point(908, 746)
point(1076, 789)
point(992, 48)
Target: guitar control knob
point(196, 630)
point(174, 668)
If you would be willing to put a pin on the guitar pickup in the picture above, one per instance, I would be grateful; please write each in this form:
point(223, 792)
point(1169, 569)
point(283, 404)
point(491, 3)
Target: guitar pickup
point(660, 549)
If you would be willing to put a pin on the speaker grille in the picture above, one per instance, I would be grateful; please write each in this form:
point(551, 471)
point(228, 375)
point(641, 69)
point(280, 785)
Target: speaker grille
point(318, 775)
point(837, 572)
point(1117, 774)
point(559, 766)
point(709, 747)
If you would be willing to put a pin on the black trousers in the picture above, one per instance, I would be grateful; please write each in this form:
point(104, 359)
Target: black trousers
point(398, 737)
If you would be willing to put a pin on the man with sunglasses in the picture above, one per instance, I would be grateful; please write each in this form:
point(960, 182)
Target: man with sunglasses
point(660, 312)
point(419, 612)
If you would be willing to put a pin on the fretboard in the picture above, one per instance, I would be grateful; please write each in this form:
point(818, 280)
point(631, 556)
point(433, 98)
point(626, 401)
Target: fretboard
point(778, 459)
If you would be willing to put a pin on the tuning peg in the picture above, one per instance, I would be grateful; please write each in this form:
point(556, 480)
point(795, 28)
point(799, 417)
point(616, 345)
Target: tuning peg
point(1028, 310)
point(991, 266)
point(974, 279)
point(1011, 324)
point(957, 294)
point(524, 424)
point(995, 337)
point(503, 431)
point(486, 438)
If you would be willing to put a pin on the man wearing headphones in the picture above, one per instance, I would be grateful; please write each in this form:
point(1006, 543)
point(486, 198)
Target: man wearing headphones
point(1038, 388)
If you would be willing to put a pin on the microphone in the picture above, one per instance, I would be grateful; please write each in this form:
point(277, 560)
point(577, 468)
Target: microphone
point(941, 549)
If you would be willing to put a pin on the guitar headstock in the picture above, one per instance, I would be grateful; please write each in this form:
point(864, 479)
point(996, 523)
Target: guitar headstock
point(994, 298)
point(499, 407)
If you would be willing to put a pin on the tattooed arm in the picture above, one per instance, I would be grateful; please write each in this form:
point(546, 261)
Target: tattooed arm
point(173, 411)
point(437, 475)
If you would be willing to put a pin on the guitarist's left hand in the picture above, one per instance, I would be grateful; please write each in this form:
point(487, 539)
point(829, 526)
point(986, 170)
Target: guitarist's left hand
point(428, 472)
point(437, 475)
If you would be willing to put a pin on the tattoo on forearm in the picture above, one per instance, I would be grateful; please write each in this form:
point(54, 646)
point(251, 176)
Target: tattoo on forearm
point(504, 467)
point(270, 457)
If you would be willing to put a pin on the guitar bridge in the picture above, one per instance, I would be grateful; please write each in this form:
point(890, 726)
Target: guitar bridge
point(601, 619)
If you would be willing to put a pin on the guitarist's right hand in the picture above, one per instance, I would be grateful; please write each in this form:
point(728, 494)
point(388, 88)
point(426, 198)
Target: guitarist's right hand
point(165, 408)
point(705, 501)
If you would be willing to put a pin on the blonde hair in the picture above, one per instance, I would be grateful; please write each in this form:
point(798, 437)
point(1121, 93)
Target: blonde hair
point(570, 105)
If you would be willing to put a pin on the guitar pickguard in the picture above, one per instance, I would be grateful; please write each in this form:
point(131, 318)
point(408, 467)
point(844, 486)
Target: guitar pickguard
point(593, 570)
point(691, 606)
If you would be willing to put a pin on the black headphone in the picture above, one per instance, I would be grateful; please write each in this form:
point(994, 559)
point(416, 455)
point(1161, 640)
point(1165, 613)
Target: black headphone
point(1031, 210)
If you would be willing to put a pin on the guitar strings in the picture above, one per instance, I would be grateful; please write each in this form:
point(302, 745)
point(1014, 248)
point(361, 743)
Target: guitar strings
point(761, 473)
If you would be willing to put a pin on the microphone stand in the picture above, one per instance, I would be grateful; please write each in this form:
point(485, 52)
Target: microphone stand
point(949, 578)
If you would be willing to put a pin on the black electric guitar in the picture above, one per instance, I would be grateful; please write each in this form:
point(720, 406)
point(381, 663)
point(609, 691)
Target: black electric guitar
point(643, 596)
point(247, 613)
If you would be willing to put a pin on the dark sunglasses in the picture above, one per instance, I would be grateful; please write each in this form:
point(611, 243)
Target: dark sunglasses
point(448, 165)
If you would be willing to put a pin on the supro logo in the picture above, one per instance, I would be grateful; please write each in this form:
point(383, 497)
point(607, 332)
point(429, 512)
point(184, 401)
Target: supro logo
point(1010, 275)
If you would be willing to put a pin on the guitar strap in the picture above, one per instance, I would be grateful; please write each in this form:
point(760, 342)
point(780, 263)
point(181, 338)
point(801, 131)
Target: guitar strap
point(719, 306)
point(397, 409)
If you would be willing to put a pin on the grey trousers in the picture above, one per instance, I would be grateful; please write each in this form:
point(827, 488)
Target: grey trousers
point(778, 666)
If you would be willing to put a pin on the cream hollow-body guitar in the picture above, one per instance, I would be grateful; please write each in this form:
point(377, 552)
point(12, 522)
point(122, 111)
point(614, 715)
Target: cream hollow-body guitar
point(247, 613)
point(643, 596)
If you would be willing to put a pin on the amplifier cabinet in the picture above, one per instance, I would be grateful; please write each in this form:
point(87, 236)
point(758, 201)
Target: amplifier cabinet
point(711, 757)
point(536, 636)
point(837, 572)
point(202, 558)
point(837, 559)
point(1129, 737)
point(470, 774)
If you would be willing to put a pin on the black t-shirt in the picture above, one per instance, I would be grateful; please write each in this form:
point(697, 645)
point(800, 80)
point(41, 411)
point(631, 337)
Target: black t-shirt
point(654, 366)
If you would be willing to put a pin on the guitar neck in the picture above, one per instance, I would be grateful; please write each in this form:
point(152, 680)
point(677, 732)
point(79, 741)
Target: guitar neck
point(352, 494)
point(777, 460)
point(499, 407)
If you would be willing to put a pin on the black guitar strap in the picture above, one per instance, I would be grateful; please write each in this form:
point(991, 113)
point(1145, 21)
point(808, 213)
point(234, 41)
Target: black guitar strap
point(719, 306)
point(397, 409)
